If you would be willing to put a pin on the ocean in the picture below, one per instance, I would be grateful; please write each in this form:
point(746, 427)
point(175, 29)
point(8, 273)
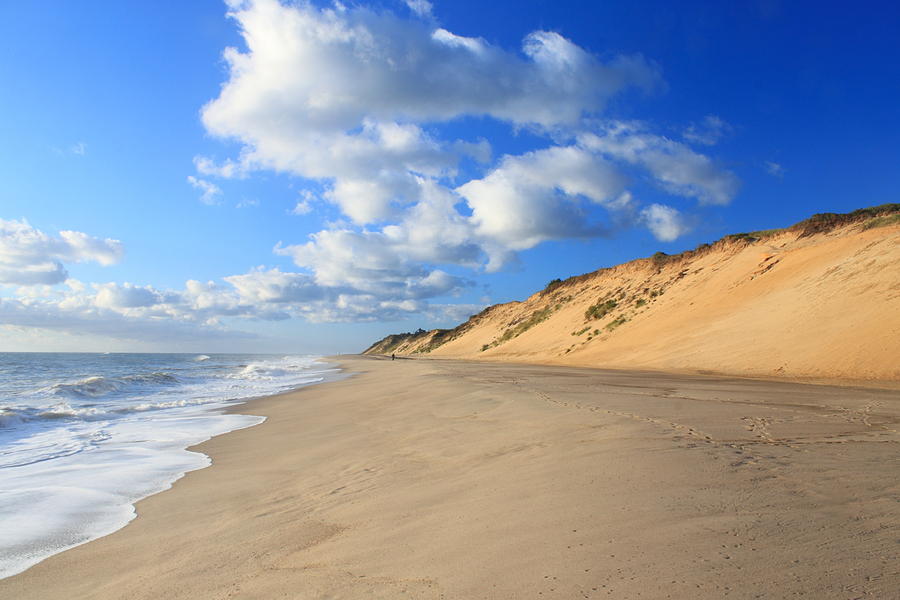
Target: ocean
point(85, 436)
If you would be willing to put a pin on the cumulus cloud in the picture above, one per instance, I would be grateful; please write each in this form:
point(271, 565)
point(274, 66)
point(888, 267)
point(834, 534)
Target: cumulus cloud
point(369, 263)
point(535, 197)
point(124, 296)
point(261, 286)
point(339, 95)
point(29, 256)
point(375, 65)
point(665, 222)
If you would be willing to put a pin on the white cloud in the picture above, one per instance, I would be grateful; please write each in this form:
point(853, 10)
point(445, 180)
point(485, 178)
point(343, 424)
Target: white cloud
point(677, 168)
point(536, 197)
point(76, 246)
point(665, 222)
point(210, 191)
point(338, 95)
point(199, 310)
point(114, 296)
point(227, 169)
point(305, 204)
point(453, 313)
point(369, 263)
point(349, 96)
point(327, 70)
point(78, 319)
point(79, 149)
point(273, 286)
point(422, 8)
point(29, 256)
point(708, 132)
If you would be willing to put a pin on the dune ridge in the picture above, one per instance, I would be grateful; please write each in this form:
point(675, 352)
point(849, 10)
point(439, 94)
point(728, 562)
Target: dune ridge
point(819, 300)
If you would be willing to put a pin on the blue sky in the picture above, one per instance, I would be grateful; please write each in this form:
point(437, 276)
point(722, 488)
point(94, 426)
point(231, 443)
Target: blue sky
point(347, 171)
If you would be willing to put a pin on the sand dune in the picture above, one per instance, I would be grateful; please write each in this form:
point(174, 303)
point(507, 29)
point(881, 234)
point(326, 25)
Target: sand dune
point(818, 301)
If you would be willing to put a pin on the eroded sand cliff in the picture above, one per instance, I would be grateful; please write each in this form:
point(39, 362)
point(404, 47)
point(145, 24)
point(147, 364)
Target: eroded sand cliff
point(818, 300)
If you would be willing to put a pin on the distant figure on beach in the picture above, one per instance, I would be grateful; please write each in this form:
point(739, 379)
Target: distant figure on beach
point(392, 356)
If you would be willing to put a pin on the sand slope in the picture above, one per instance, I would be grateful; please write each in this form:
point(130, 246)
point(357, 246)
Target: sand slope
point(805, 302)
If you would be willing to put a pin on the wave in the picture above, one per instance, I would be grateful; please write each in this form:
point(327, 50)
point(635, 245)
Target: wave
point(286, 367)
point(92, 387)
point(260, 371)
point(9, 417)
point(98, 398)
point(201, 358)
point(12, 416)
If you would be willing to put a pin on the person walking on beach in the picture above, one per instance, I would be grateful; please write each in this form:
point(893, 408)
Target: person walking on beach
point(392, 356)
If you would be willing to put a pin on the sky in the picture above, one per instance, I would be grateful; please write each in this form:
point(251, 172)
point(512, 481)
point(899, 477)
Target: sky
point(273, 176)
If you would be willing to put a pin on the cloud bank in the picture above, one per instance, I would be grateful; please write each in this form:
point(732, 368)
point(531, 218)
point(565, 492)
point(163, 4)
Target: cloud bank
point(29, 256)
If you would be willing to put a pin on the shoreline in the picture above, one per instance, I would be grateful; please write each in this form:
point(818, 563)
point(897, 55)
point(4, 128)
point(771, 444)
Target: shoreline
point(445, 481)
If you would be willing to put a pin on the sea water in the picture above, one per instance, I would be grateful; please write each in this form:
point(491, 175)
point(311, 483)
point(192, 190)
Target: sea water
point(85, 436)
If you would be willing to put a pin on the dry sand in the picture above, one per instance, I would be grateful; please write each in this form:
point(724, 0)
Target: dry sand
point(445, 479)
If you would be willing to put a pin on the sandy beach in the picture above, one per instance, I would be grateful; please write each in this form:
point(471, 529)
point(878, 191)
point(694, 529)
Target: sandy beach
point(461, 480)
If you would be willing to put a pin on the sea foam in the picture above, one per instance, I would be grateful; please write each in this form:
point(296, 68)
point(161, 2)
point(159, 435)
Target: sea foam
point(84, 437)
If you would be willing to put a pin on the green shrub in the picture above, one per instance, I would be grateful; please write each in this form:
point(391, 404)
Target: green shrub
point(740, 237)
point(553, 285)
point(513, 332)
point(616, 323)
point(828, 221)
point(764, 233)
point(882, 221)
point(600, 310)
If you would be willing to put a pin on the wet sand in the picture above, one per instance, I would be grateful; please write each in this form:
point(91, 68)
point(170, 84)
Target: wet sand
point(459, 480)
